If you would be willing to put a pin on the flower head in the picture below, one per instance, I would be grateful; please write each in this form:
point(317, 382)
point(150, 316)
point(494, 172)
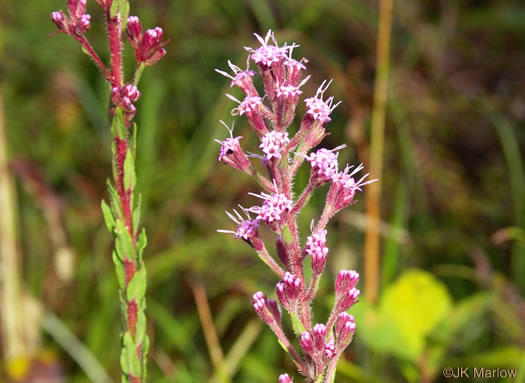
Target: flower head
point(260, 304)
point(346, 280)
point(241, 78)
point(273, 144)
point(316, 248)
point(324, 164)
point(149, 47)
point(273, 208)
point(344, 187)
point(344, 328)
point(247, 228)
point(307, 343)
point(319, 335)
point(267, 54)
point(232, 154)
point(319, 109)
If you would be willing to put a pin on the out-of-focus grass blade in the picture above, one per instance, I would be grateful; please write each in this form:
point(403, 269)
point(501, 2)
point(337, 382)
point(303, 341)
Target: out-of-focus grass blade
point(264, 14)
point(80, 353)
point(511, 151)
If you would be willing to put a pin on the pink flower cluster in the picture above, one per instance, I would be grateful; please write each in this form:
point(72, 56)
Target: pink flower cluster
point(282, 153)
point(78, 21)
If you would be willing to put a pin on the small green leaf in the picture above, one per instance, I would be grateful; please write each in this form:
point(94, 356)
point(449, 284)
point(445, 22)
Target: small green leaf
point(124, 12)
point(282, 345)
point(119, 268)
point(134, 366)
point(297, 326)
point(137, 286)
point(142, 241)
point(145, 349)
point(118, 127)
point(141, 327)
point(136, 212)
point(114, 9)
point(130, 178)
point(123, 242)
point(124, 361)
point(115, 201)
point(108, 216)
point(287, 235)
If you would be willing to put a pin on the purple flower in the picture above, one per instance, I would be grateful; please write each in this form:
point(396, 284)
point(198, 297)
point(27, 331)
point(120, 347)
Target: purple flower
point(344, 187)
point(242, 78)
point(324, 164)
point(251, 107)
point(267, 55)
point(247, 228)
point(232, 154)
point(316, 248)
point(273, 208)
point(273, 144)
point(319, 109)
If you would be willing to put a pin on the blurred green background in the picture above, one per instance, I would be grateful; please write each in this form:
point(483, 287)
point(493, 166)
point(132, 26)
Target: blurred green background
point(452, 278)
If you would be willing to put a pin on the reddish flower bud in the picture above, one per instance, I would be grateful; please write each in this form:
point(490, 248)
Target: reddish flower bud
point(349, 299)
point(274, 309)
point(344, 329)
point(260, 304)
point(316, 248)
point(134, 30)
point(61, 21)
point(84, 23)
point(307, 343)
point(346, 280)
point(232, 154)
point(319, 336)
point(284, 378)
point(329, 351)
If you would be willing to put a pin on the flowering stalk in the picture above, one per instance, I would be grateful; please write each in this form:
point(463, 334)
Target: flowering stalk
point(282, 155)
point(122, 218)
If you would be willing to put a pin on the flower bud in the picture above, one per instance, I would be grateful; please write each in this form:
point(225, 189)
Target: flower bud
point(134, 30)
point(349, 299)
point(84, 23)
point(346, 280)
point(260, 304)
point(274, 309)
point(232, 154)
point(316, 248)
point(307, 343)
point(61, 21)
point(76, 8)
point(284, 378)
point(344, 328)
point(329, 351)
point(319, 336)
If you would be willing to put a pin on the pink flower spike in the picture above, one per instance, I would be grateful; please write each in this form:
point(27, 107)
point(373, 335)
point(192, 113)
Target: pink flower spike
point(274, 143)
point(284, 378)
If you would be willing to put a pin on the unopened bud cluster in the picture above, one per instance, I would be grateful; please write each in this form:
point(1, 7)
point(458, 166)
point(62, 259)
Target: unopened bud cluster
point(281, 154)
